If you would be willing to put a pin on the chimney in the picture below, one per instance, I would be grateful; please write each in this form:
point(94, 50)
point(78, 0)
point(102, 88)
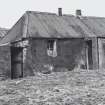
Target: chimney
point(78, 13)
point(60, 11)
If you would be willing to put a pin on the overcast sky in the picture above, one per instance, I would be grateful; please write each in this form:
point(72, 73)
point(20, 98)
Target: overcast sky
point(12, 10)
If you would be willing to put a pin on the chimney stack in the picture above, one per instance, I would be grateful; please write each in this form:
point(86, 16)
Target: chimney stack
point(60, 11)
point(78, 13)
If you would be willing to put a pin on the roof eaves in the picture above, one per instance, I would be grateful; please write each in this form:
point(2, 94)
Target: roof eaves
point(25, 25)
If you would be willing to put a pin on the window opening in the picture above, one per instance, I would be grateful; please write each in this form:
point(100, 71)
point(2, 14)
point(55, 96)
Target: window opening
point(52, 48)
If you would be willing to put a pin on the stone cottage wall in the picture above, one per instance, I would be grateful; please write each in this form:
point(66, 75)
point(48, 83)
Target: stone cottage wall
point(95, 53)
point(5, 61)
point(101, 46)
point(70, 54)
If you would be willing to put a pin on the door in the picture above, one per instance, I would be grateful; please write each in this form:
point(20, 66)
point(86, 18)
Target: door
point(16, 62)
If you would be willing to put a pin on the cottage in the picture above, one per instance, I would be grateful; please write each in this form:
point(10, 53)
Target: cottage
point(45, 42)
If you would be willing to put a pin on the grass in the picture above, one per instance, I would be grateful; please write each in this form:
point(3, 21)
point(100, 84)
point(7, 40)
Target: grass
point(78, 87)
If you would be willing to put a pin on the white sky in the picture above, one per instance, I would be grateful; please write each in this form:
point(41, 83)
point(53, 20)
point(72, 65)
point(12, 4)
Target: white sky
point(12, 10)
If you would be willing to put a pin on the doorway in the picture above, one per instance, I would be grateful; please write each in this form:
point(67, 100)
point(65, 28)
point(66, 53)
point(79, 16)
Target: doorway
point(89, 54)
point(16, 62)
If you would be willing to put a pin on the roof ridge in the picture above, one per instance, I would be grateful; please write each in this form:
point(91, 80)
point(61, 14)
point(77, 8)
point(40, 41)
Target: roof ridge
point(68, 15)
point(93, 17)
point(38, 12)
point(84, 16)
point(50, 13)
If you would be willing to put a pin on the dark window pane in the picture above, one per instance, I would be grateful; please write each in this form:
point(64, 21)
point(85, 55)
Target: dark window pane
point(50, 44)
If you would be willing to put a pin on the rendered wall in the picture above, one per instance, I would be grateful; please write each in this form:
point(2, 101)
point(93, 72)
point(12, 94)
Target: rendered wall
point(70, 54)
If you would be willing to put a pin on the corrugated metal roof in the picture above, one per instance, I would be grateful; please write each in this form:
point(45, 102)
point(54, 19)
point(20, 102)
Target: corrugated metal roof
point(15, 33)
point(66, 26)
point(95, 24)
point(49, 25)
point(3, 32)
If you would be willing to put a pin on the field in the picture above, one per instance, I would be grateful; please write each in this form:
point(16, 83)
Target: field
point(78, 87)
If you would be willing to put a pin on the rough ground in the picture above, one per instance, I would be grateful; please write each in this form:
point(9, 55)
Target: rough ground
point(65, 88)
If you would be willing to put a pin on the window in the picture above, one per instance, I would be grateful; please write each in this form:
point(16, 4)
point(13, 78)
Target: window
point(51, 48)
point(50, 45)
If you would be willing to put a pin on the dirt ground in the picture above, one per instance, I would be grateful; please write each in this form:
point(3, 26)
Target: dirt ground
point(78, 87)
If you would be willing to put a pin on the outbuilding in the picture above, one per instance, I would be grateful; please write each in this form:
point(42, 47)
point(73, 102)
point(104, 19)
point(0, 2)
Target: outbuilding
point(47, 42)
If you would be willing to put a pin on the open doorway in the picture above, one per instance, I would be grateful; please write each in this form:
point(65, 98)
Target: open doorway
point(16, 62)
point(89, 54)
